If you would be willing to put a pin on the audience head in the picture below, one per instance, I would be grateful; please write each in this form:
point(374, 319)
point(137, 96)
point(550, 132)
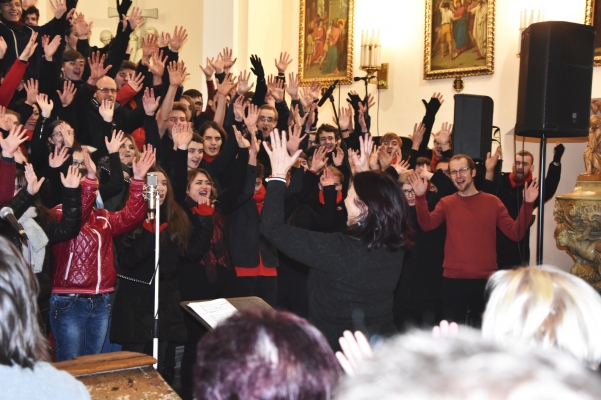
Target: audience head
point(407, 188)
point(391, 142)
point(523, 165)
point(71, 37)
point(443, 163)
point(423, 164)
point(337, 178)
point(463, 171)
point(78, 159)
point(106, 89)
point(73, 64)
point(56, 136)
point(33, 119)
point(546, 308)
point(213, 136)
point(189, 104)
point(377, 211)
point(327, 135)
point(126, 73)
point(260, 176)
point(21, 340)
point(466, 366)
point(265, 355)
point(12, 117)
point(128, 151)
point(11, 10)
point(200, 185)
point(196, 98)
point(268, 119)
point(179, 114)
point(195, 151)
point(438, 145)
point(32, 16)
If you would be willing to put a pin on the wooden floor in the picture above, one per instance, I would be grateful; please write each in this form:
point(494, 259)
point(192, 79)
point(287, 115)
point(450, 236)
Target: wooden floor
point(121, 375)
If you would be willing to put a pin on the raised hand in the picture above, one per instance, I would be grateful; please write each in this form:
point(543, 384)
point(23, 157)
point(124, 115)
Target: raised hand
point(107, 110)
point(97, 68)
point(242, 143)
point(67, 94)
point(444, 136)
point(117, 139)
point(418, 135)
point(438, 96)
point(283, 62)
point(82, 28)
point(68, 134)
point(385, 159)
point(295, 139)
point(58, 157)
point(59, 7)
point(11, 143)
point(149, 102)
point(362, 122)
point(276, 88)
point(177, 73)
point(123, 8)
point(158, 64)
point(281, 161)
point(90, 166)
point(182, 135)
point(243, 86)
point(305, 99)
point(239, 107)
point(32, 88)
point(3, 47)
point(445, 329)
point(141, 167)
point(362, 161)
point(51, 47)
point(30, 48)
point(149, 46)
point(228, 63)
point(33, 184)
point(73, 178)
point(251, 118)
point(137, 83)
point(319, 159)
point(491, 161)
point(257, 67)
point(292, 85)
point(255, 147)
point(531, 190)
point(355, 349)
point(225, 87)
point(401, 165)
point(164, 40)
point(44, 104)
point(315, 89)
point(177, 40)
point(420, 185)
point(218, 64)
point(346, 118)
point(373, 159)
point(365, 106)
point(208, 70)
point(135, 18)
point(338, 156)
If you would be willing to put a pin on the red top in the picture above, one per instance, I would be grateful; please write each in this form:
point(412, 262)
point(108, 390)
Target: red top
point(8, 168)
point(470, 250)
point(11, 81)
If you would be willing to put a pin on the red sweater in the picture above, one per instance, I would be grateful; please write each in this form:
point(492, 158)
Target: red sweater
point(470, 250)
point(11, 81)
point(8, 168)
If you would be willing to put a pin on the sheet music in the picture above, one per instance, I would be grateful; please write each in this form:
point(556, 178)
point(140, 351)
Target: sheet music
point(214, 311)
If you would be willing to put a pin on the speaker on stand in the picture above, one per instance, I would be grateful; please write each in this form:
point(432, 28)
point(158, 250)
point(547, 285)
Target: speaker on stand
point(556, 77)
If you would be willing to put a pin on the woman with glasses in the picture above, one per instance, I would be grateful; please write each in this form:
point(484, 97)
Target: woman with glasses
point(417, 295)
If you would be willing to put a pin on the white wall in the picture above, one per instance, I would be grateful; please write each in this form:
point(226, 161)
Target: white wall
point(267, 27)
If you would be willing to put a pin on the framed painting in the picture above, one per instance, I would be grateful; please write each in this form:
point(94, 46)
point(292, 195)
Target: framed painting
point(593, 18)
point(326, 41)
point(459, 38)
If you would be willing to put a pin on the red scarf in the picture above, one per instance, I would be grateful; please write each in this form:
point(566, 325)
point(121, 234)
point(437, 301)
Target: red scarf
point(434, 161)
point(322, 200)
point(12, 25)
point(515, 184)
point(208, 158)
point(149, 226)
point(259, 198)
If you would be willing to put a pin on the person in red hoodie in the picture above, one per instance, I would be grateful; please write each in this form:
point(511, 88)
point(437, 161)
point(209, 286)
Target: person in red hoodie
point(84, 269)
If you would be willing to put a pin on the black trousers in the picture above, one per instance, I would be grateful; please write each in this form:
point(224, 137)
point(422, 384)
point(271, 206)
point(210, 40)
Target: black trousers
point(265, 287)
point(459, 295)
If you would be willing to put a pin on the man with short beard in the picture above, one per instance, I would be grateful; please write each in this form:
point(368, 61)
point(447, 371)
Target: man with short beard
point(508, 187)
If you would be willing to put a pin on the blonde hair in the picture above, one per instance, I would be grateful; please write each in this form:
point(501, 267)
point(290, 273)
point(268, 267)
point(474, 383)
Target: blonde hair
point(547, 308)
point(404, 178)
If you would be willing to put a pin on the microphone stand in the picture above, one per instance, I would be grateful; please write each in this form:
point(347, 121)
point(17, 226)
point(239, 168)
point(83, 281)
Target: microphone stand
point(157, 233)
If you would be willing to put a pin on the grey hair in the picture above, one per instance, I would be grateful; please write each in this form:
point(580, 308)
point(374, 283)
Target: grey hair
point(547, 308)
point(418, 366)
point(21, 340)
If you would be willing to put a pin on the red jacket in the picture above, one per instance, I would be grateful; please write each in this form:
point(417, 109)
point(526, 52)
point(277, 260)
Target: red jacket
point(8, 168)
point(11, 81)
point(85, 265)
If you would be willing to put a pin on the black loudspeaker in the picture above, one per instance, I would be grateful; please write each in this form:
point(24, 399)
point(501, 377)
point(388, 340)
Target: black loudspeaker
point(556, 78)
point(472, 126)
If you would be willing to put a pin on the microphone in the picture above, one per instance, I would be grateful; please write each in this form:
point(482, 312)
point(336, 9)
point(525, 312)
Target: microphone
point(363, 78)
point(150, 193)
point(7, 214)
point(327, 93)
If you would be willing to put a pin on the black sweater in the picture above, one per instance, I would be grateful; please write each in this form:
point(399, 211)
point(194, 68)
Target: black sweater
point(349, 287)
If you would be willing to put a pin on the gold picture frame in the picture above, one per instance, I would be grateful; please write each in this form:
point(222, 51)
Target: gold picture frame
point(593, 18)
point(322, 21)
point(476, 54)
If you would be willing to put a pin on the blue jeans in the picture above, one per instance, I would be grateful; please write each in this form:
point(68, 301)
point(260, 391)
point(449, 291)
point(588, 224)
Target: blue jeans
point(79, 324)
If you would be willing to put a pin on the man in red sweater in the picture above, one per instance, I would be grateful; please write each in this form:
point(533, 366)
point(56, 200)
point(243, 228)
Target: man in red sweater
point(470, 247)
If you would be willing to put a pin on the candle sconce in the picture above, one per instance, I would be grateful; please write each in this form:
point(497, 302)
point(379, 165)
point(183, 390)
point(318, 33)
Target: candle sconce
point(371, 50)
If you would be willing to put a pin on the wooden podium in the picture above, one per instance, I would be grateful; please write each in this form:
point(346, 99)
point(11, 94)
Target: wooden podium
point(120, 375)
point(240, 303)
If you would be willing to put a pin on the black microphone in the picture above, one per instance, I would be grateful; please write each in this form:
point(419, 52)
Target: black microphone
point(327, 93)
point(150, 191)
point(363, 78)
point(7, 214)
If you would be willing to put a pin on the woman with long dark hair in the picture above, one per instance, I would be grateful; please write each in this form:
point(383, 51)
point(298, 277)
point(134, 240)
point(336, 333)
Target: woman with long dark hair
point(184, 239)
point(352, 274)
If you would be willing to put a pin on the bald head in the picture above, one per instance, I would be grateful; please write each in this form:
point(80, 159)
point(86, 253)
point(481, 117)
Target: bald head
point(106, 89)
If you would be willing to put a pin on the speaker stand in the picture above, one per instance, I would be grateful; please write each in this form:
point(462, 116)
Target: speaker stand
point(541, 199)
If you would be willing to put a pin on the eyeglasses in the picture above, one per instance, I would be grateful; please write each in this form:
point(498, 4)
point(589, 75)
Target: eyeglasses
point(57, 134)
point(409, 193)
point(198, 103)
point(107, 90)
point(78, 164)
point(461, 171)
point(266, 119)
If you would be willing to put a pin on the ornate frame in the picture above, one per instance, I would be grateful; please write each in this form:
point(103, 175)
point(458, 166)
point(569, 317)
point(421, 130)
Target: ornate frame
point(346, 78)
point(589, 19)
point(487, 69)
